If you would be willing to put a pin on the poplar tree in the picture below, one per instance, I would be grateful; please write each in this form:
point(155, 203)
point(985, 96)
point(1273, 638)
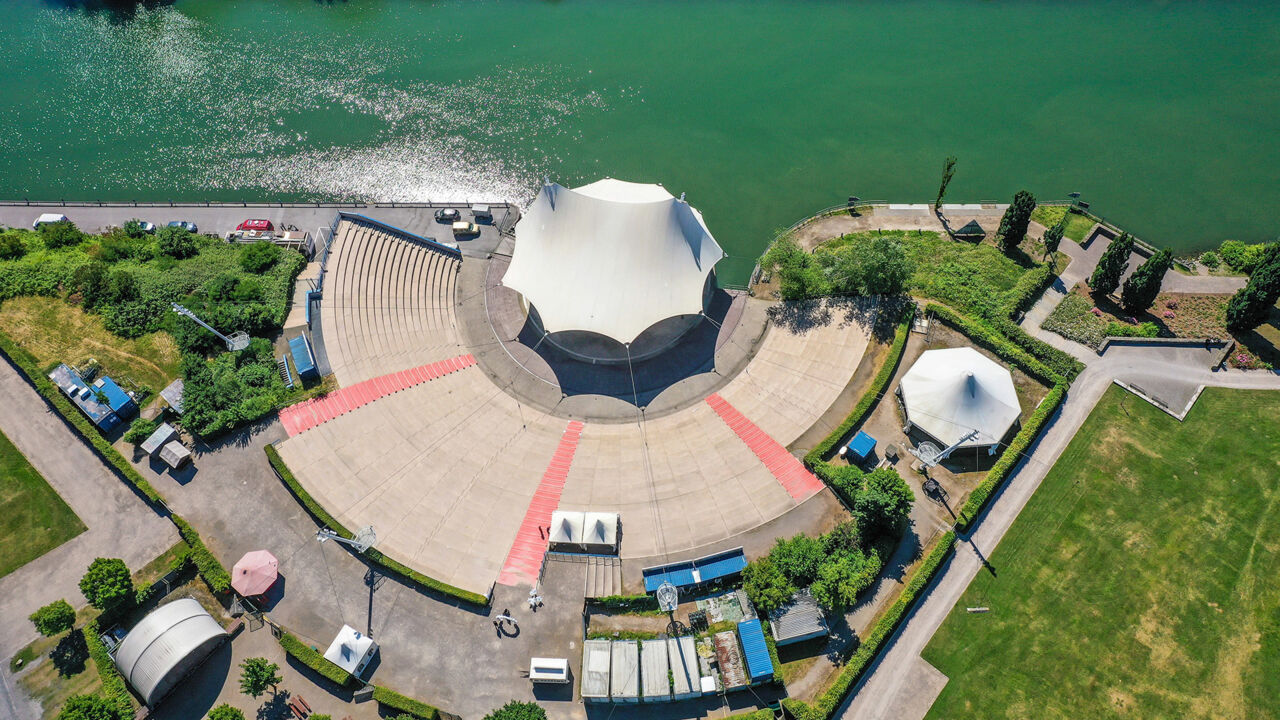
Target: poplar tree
point(1106, 276)
point(1013, 225)
point(1053, 237)
point(1142, 287)
point(948, 169)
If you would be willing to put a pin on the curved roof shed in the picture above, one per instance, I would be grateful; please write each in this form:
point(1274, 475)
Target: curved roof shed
point(167, 645)
point(612, 257)
point(952, 392)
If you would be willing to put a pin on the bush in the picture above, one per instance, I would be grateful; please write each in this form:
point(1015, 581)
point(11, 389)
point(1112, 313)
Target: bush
point(798, 273)
point(56, 617)
point(226, 712)
point(1028, 289)
point(877, 265)
point(883, 505)
point(107, 583)
point(230, 390)
point(798, 558)
point(998, 342)
point(11, 246)
point(61, 234)
point(90, 707)
point(315, 660)
point(842, 577)
point(176, 242)
point(396, 701)
point(1074, 319)
point(516, 710)
point(1210, 260)
point(1009, 459)
point(371, 555)
point(259, 256)
point(1240, 256)
point(133, 228)
point(113, 686)
point(1145, 330)
point(139, 430)
point(765, 584)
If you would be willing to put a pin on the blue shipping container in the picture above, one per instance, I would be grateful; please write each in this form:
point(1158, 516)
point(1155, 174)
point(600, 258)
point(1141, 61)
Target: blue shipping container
point(755, 650)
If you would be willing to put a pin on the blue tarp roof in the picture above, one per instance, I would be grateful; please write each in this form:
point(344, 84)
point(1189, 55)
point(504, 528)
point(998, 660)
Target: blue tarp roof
point(302, 359)
point(862, 444)
point(117, 399)
point(118, 407)
point(695, 572)
point(756, 650)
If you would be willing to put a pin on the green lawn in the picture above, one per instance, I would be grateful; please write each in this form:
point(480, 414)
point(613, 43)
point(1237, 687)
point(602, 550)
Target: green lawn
point(33, 519)
point(1140, 581)
point(1050, 215)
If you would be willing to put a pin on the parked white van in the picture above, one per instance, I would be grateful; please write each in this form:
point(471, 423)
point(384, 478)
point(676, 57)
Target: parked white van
point(48, 218)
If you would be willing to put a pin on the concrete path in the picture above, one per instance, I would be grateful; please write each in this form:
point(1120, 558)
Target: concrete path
point(119, 523)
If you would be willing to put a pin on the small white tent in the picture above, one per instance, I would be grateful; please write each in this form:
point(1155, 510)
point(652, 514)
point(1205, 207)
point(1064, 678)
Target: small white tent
point(612, 258)
point(952, 392)
point(351, 650)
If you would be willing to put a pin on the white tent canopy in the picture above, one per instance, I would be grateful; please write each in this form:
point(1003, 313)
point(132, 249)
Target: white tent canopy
point(612, 257)
point(574, 531)
point(167, 645)
point(950, 393)
point(351, 650)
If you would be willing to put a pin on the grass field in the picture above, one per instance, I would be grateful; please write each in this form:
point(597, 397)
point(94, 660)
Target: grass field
point(1140, 579)
point(33, 519)
point(1050, 215)
point(55, 331)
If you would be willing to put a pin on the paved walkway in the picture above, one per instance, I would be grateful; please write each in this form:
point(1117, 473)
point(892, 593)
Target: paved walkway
point(119, 524)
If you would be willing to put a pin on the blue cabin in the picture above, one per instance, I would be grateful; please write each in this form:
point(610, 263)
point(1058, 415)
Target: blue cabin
point(860, 447)
point(756, 651)
point(104, 402)
point(303, 359)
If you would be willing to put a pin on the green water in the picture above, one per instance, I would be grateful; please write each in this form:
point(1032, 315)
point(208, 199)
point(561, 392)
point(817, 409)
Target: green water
point(1166, 116)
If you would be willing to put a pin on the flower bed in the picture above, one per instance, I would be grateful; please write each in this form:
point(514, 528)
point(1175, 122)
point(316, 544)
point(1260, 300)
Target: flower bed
point(1075, 319)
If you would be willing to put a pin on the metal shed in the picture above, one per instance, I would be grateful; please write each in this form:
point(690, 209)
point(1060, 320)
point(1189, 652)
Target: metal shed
point(303, 360)
point(158, 439)
point(175, 454)
point(595, 670)
point(800, 619)
point(685, 679)
point(624, 671)
point(729, 657)
point(756, 650)
point(165, 646)
point(654, 671)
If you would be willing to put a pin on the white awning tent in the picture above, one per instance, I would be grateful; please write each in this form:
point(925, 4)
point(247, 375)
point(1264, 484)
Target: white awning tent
point(951, 392)
point(165, 646)
point(351, 650)
point(611, 257)
point(590, 532)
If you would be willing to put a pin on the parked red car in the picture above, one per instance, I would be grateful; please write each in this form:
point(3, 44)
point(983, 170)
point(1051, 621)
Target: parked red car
point(256, 225)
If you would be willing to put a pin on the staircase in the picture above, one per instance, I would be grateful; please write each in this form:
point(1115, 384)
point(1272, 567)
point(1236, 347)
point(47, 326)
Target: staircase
point(282, 366)
point(604, 576)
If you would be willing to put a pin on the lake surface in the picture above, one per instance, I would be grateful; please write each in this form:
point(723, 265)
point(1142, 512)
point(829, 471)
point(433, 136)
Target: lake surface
point(1166, 116)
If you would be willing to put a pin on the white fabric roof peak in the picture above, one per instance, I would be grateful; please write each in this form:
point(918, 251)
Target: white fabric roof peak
point(611, 257)
point(951, 392)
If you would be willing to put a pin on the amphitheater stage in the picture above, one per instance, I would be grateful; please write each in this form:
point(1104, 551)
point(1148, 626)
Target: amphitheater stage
point(457, 453)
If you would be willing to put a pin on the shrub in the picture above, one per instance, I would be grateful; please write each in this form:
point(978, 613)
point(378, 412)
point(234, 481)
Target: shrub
point(884, 503)
point(1240, 256)
point(394, 700)
point(765, 584)
point(113, 686)
point(1210, 260)
point(56, 617)
point(61, 234)
point(1145, 330)
point(90, 707)
point(842, 577)
point(107, 583)
point(133, 228)
point(11, 246)
point(798, 273)
point(798, 558)
point(176, 242)
point(984, 334)
point(226, 712)
point(1073, 319)
point(844, 536)
point(139, 430)
point(315, 660)
point(1028, 289)
point(259, 256)
point(256, 675)
point(516, 710)
point(877, 265)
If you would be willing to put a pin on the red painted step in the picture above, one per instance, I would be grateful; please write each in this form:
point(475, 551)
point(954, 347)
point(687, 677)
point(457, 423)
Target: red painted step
point(524, 560)
point(307, 414)
point(789, 472)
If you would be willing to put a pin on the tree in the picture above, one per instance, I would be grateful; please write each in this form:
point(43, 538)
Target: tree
point(1249, 307)
point(90, 707)
point(257, 675)
point(63, 233)
point(226, 712)
point(798, 558)
point(879, 266)
point(1013, 224)
point(11, 246)
point(107, 583)
point(765, 585)
point(92, 283)
point(798, 274)
point(140, 430)
point(1106, 276)
point(516, 710)
point(884, 503)
point(841, 578)
point(1053, 237)
point(58, 616)
point(133, 228)
point(176, 242)
point(948, 169)
point(259, 256)
point(1140, 290)
point(843, 537)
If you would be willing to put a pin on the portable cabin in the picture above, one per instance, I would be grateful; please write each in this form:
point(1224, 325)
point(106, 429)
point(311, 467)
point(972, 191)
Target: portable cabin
point(554, 671)
point(624, 671)
point(596, 657)
point(158, 439)
point(482, 213)
point(175, 454)
point(655, 671)
point(685, 678)
point(303, 359)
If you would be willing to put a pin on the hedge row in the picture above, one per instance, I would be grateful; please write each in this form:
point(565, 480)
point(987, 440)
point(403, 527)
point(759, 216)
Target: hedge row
point(626, 603)
point(113, 685)
point(1062, 363)
point(396, 701)
point(997, 342)
point(879, 384)
point(1029, 288)
point(773, 652)
point(313, 659)
point(371, 555)
point(207, 565)
point(1009, 459)
point(28, 366)
point(827, 703)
